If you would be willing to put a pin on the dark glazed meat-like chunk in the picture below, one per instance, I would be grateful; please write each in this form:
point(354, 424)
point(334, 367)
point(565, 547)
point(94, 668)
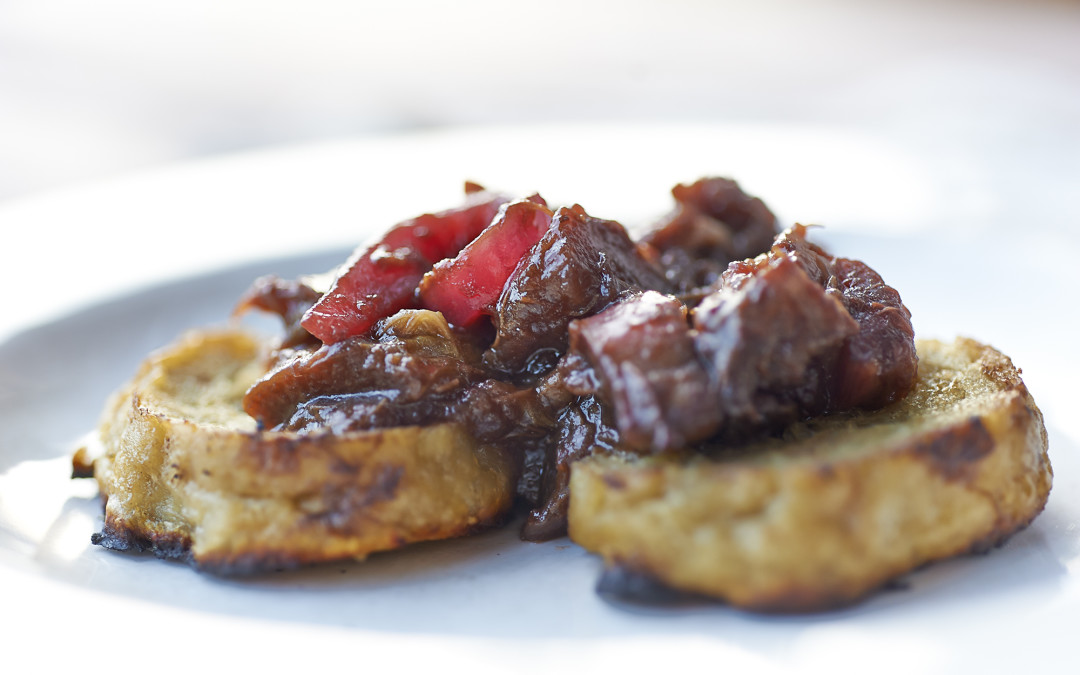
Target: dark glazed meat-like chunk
point(878, 364)
point(643, 365)
point(770, 346)
point(417, 359)
point(395, 371)
point(418, 373)
point(788, 335)
point(713, 224)
point(492, 410)
point(783, 349)
point(581, 265)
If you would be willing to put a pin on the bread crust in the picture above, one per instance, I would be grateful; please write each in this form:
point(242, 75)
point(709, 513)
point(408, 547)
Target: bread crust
point(838, 507)
point(185, 474)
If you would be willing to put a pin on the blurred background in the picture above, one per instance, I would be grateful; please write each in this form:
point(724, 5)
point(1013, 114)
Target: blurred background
point(90, 90)
point(943, 136)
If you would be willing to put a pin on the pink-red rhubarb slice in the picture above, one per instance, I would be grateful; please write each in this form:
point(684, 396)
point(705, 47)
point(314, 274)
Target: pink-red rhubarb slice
point(381, 278)
point(467, 287)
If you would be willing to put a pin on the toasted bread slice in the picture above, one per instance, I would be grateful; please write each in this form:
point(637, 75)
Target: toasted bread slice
point(186, 474)
point(838, 507)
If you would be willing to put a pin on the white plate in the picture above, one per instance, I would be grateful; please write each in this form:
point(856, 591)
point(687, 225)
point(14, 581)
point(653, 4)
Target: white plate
point(491, 600)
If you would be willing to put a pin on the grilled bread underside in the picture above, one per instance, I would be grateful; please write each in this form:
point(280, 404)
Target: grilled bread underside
point(839, 506)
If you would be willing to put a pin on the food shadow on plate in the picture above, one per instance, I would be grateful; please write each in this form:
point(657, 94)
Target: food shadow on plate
point(477, 586)
point(1017, 581)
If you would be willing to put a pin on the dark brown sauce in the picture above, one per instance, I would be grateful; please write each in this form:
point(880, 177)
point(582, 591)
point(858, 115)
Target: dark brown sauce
point(708, 329)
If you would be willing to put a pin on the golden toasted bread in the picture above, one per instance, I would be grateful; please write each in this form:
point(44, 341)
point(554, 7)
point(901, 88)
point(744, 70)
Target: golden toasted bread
point(185, 473)
point(838, 507)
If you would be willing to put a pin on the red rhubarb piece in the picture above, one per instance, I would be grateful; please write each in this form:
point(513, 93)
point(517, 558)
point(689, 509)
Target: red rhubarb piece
point(381, 278)
point(467, 287)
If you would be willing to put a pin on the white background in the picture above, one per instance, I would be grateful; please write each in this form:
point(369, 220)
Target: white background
point(90, 89)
